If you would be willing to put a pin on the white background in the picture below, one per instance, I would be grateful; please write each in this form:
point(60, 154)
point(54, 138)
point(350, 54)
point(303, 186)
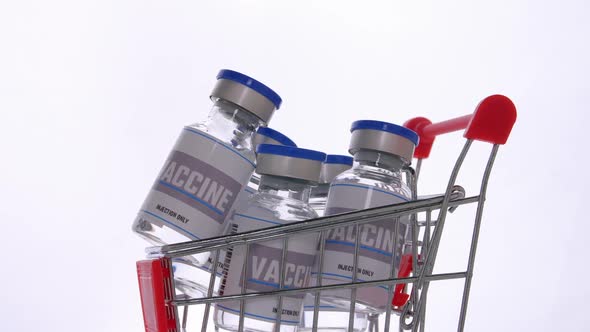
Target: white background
point(94, 93)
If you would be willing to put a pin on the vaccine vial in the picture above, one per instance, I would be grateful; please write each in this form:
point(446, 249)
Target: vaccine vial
point(332, 166)
point(381, 150)
point(209, 165)
point(330, 318)
point(263, 135)
point(287, 175)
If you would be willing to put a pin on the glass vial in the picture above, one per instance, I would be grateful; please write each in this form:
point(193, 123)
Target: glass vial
point(263, 135)
point(330, 318)
point(287, 174)
point(381, 150)
point(208, 167)
point(331, 167)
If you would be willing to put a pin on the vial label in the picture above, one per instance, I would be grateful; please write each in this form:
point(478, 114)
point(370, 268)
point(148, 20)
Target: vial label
point(240, 204)
point(197, 186)
point(309, 303)
point(225, 257)
point(262, 271)
point(378, 245)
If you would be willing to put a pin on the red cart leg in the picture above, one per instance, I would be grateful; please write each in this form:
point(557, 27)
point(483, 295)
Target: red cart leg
point(157, 291)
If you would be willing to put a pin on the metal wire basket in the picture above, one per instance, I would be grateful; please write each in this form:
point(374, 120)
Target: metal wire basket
point(491, 122)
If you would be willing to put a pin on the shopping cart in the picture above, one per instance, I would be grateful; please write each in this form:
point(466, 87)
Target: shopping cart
point(491, 122)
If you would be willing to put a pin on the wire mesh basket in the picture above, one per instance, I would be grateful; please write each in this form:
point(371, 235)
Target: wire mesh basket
point(408, 284)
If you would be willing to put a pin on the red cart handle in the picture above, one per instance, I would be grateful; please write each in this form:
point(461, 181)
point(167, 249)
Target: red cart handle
point(491, 122)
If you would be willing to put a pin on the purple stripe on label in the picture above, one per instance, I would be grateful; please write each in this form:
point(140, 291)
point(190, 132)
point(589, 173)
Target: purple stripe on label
point(377, 239)
point(198, 184)
point(264, 269)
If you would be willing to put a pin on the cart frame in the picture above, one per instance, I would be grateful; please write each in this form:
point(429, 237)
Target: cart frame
point(491, 122)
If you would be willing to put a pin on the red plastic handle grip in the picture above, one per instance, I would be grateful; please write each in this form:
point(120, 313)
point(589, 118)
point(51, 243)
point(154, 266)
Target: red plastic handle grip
point(491, 122)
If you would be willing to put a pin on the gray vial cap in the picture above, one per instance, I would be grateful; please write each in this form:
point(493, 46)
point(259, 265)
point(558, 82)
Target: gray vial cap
point(330, 171)
point(258, 139)
point(247, 93)
point(287, 161)
point(382, 141)
point(265, 135)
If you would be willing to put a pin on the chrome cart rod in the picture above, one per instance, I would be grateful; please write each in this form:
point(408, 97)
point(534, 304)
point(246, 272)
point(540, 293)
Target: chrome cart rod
point(324, 223)
point(303, 290)
point(422, 284)
point(476, 226)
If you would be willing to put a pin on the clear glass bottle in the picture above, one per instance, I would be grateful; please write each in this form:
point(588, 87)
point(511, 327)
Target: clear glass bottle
point(263, 135)
point(208, 167)
point(331, 167)
point(287, 174)
point(331, 318)
point(381, 150)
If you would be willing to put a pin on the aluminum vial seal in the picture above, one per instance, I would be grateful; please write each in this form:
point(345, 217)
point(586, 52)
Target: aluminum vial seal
point(289, 161)
point(247, 93)
point(333, 166)
point(265, 135)
point(383, 137)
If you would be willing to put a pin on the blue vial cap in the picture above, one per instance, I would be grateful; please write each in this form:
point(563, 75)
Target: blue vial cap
point(275, 135)
point(386, 126)
point(290, 151)
point(338, 159)
point(255, 85)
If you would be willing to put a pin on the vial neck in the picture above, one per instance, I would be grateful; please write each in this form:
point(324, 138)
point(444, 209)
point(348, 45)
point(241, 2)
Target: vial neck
point(285, 187)
point(378, 159)
point(321, 190)
point(232, 124)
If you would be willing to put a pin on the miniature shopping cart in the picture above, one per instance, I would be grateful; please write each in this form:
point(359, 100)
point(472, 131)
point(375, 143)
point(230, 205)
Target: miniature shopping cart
point(491, 122)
